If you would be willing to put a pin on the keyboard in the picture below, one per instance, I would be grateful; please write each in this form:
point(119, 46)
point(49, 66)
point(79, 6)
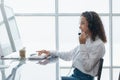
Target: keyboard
point(36, 57)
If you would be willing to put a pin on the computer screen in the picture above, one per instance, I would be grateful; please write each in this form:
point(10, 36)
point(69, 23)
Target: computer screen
point(10, 40)
point(5, 46)
point(12, 28)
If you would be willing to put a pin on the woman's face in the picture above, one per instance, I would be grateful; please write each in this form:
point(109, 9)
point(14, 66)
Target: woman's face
point(84, 25)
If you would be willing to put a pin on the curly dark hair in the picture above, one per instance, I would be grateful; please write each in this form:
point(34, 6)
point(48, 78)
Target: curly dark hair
point(95, 25)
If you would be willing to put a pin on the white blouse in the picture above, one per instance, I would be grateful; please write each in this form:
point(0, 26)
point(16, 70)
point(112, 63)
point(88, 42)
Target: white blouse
point(85, 56)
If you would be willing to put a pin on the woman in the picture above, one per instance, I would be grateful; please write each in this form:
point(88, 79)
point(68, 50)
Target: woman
point(86, 55)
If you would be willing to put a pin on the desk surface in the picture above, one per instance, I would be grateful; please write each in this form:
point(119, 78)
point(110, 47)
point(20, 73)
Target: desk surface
point(25, 69)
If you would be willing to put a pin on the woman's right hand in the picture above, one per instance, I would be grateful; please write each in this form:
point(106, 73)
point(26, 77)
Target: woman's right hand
point(44, 51)
point(82, 38)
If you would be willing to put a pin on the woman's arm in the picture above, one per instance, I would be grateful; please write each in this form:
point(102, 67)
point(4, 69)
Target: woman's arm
point(65, 55)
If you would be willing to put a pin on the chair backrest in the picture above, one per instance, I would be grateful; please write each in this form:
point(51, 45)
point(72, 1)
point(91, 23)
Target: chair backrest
point(119, 76)
point(100, 68)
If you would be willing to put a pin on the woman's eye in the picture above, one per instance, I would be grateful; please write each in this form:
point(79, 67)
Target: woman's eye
point(82, 22)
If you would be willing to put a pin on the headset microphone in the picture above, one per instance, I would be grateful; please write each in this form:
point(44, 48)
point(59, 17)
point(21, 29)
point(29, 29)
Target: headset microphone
point(79, 33)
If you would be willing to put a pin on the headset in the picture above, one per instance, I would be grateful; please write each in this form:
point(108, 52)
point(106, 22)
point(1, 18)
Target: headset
point(90, 18)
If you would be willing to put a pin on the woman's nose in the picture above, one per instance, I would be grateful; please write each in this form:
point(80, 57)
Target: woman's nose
point(79, 27)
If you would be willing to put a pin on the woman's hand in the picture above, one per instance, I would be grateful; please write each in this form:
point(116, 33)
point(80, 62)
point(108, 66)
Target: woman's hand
point(43, 51)
point(82, 38)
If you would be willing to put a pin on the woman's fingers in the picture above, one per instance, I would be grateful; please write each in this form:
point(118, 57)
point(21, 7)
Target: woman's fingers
point(42, 51)
point(39, 52)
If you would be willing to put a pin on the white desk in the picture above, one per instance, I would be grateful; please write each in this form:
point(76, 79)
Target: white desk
point(31, 69)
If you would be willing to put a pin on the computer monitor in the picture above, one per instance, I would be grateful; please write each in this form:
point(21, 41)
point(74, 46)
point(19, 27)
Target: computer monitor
point(11, 27)
point(9, 35)
point(5, 46)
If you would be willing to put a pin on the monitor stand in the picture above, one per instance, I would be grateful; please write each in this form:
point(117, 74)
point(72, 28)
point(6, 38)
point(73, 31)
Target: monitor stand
point(2, 70)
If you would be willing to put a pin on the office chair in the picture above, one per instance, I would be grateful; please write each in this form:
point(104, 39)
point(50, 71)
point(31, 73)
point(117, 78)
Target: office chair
point(100, 69)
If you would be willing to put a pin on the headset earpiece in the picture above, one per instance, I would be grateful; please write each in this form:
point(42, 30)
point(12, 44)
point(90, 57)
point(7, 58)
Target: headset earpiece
point(91, 20)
